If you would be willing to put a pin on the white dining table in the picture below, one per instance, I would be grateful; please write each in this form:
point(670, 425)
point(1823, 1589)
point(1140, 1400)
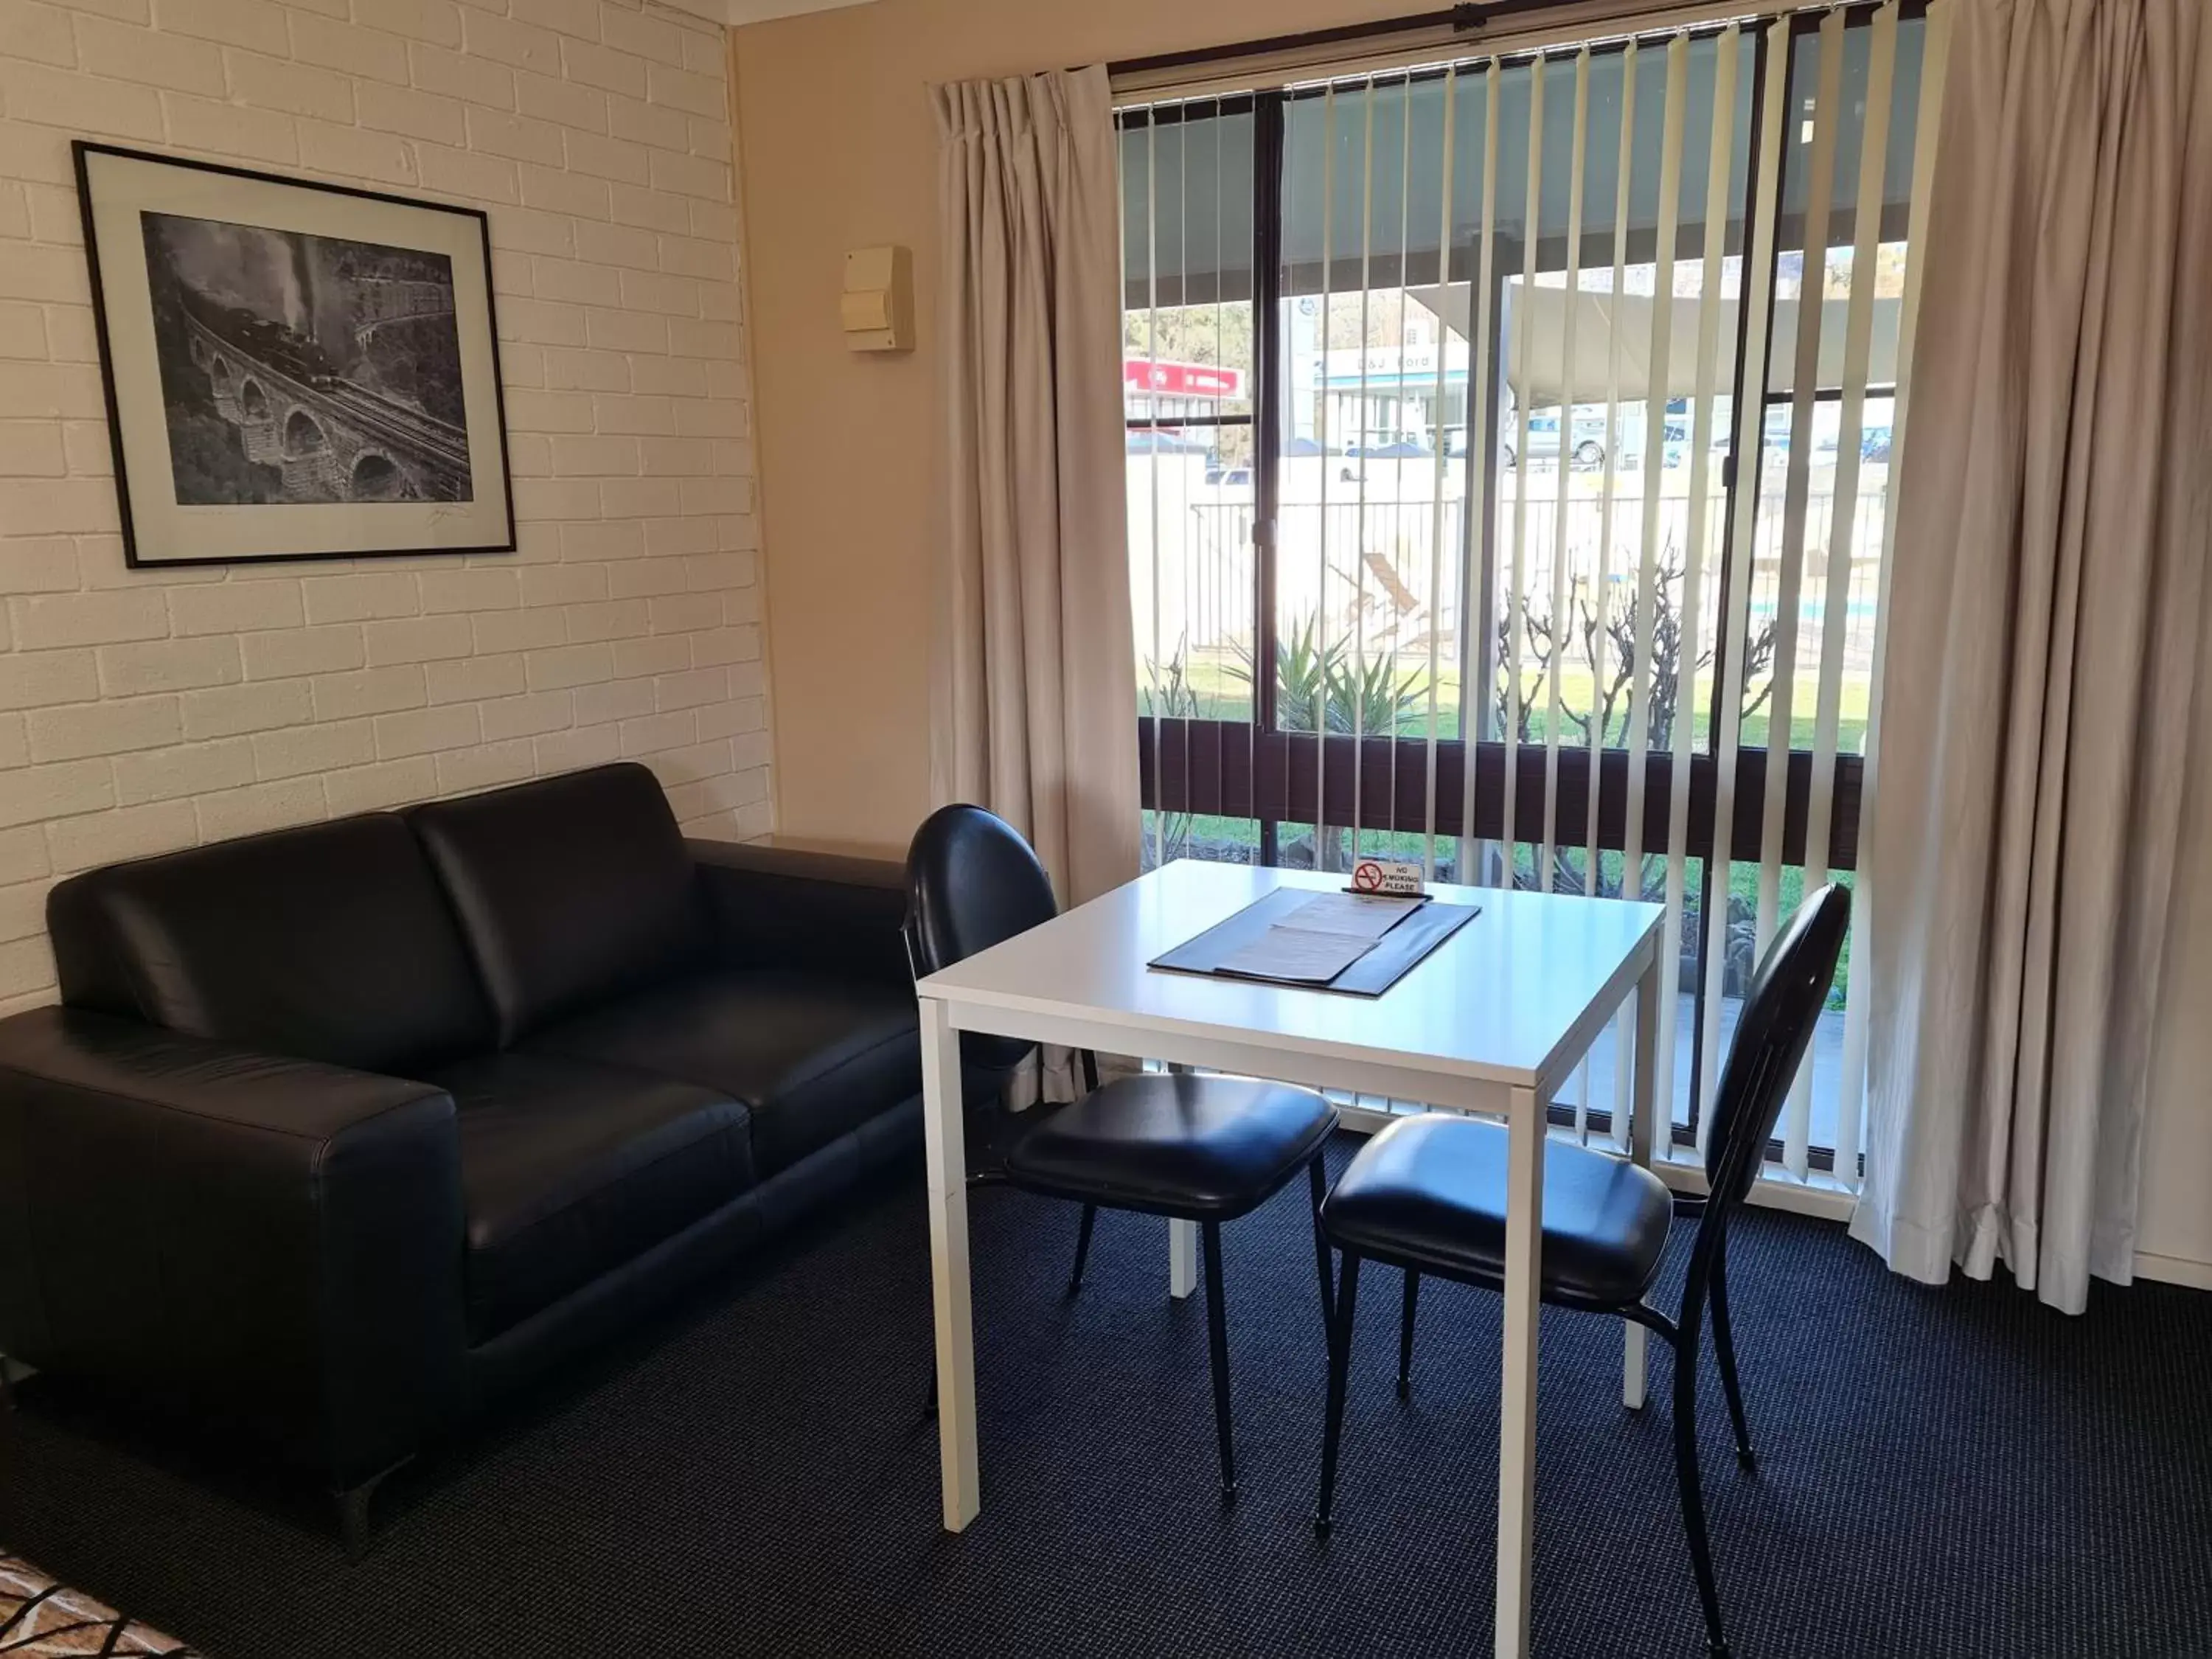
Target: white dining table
point(1494, 1020)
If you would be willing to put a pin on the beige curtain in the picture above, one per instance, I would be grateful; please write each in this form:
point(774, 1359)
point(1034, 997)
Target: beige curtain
point(1035, 693)
point(1037, 714)
point(2042, 649)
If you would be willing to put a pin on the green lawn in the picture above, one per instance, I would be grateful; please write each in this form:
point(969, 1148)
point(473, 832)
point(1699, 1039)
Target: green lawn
point(1219, 695)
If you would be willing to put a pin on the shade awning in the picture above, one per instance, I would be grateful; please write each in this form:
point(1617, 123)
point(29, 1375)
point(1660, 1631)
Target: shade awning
point(1536, 362)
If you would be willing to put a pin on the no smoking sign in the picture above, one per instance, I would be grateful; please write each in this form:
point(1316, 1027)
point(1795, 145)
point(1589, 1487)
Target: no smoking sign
point(1387, 876)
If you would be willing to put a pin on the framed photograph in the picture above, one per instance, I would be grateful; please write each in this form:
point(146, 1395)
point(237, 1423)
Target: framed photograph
point(294, 371)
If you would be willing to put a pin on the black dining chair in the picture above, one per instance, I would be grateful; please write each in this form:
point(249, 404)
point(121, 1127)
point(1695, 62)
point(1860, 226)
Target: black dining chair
point(1428, 1194)
point(1201, 1149)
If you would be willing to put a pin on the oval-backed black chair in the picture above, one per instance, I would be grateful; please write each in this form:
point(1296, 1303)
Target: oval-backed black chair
point(1428, 1195)
point(1201, 1149)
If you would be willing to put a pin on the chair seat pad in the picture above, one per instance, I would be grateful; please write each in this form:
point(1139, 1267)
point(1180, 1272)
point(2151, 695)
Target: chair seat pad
point(1429, 1192)
point(569, 1170)
point(1203, 1148)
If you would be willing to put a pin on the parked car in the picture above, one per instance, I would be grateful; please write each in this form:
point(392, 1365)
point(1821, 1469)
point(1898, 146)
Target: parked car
point(1588, 448)
point(1160, 441)
point(1873, 445)
point(1677, 434)
point(1401, 449)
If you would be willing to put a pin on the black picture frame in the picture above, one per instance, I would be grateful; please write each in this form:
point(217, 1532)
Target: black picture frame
point(420, 462)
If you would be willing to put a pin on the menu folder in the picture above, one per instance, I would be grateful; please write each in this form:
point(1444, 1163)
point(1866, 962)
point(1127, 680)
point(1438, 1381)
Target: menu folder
point(1395, 954)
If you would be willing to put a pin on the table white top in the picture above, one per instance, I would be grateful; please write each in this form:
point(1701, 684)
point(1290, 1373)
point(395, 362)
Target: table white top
point(1500, 1001)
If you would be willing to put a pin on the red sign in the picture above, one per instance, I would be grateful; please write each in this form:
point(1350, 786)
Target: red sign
point(1183, 379)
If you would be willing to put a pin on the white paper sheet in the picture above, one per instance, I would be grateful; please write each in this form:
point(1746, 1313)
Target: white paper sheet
point(1320, 939)
point(1296, 953)
point(1362, 915)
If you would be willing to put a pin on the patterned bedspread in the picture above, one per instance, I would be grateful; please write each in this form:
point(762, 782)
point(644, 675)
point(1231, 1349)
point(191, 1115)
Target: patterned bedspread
point(41, 1620)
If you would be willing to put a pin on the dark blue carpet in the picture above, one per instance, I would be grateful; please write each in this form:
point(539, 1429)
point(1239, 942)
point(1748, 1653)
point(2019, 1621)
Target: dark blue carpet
point(1959, 1473)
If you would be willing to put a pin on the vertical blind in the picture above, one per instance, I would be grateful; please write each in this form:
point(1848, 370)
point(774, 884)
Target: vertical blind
point(1508, 459)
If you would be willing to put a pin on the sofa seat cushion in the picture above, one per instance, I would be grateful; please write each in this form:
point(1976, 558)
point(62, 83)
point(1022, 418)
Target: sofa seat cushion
point(569, 1170)
point(811, 1057)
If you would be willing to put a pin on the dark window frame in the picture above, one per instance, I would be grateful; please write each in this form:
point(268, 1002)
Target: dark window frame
point(1241, 769)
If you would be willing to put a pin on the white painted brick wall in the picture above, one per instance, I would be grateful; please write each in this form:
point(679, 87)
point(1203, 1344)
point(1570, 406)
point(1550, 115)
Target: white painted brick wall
point(142, 711)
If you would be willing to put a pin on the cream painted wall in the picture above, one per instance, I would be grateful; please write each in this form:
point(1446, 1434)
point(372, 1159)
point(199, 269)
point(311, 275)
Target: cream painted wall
point(840, 151)
point(142, 710)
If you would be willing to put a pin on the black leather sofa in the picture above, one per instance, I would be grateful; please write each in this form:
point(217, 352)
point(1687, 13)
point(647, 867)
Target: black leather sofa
point(342, 1131)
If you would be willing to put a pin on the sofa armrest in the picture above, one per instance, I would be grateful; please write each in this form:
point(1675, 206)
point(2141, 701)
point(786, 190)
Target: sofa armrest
point(780, 906)
point(270, 1243)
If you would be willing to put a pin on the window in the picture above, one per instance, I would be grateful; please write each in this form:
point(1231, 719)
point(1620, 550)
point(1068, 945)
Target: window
point(1447, 538)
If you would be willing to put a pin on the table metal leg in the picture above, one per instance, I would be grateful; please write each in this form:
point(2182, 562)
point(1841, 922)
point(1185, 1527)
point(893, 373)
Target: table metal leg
point(1182, 1249)
point(943, 1136)
point(1516, 1447)
point(1182, 1259)
point(1644, 1128)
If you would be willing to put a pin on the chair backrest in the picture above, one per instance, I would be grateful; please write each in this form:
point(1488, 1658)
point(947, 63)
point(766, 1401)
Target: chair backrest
point(972, 881)
point(1780, 1011)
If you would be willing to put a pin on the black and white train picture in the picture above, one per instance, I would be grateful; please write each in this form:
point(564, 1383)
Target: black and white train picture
point(304, 368)
point(318, 377)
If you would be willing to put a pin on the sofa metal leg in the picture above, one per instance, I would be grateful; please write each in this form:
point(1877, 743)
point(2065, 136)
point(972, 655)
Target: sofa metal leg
point(353, 1509)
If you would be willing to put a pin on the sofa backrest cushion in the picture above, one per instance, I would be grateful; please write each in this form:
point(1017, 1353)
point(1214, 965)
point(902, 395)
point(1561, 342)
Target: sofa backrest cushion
point(330, 942)
point(571, 889)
